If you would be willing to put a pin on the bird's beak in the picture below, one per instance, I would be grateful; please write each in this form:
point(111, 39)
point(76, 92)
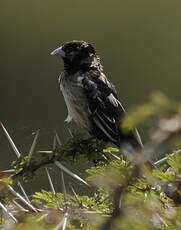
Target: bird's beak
point(58, 51)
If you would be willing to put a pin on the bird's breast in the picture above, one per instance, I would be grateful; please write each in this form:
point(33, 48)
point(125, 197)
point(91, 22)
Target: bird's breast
point(75, 99)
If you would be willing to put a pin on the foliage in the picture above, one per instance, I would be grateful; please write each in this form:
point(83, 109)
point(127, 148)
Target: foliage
point(124, 193)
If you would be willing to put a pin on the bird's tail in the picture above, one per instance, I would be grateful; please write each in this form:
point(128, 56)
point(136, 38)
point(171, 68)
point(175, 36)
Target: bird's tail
point(133, 149)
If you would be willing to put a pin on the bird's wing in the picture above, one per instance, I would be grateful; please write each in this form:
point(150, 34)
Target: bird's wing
point(105, 107)
point(106, 111)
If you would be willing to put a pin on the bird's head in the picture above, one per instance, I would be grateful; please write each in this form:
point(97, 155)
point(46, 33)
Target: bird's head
point(77, 55)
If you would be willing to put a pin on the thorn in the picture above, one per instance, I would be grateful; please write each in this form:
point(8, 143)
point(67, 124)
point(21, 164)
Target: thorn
point(59, 165)
point(21, 198)
point(9, 171)
point(10, 141)
point(23, 191)
point(9, 213)
point(76, 197)
point(58, 138)
point(45, 151)
point(33, 145)
point(65, 221)
point(59, 225)
point(70, 132)
point(20, 207)
point(50, 181)
point(42, 217)
point(115, 156)
point(166, 158)
point(63, 184)
point(54, 142)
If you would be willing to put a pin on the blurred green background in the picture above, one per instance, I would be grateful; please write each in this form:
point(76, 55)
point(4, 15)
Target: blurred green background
point(139, 43)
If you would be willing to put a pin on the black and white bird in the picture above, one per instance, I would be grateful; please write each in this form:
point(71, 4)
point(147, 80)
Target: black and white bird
point(91, 99)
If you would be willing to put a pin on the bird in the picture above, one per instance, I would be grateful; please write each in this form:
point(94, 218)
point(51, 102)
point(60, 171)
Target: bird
point(91, 99)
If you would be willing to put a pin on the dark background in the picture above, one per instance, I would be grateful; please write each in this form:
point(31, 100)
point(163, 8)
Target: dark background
point(139, 43)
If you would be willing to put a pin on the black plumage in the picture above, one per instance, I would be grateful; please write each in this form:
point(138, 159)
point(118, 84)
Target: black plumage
point(90, 97)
